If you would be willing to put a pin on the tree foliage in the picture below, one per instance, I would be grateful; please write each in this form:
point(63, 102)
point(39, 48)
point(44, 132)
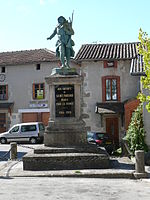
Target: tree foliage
point(144, 50)
point(136, 133)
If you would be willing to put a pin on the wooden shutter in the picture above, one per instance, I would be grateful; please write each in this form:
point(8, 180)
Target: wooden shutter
point(118, 88)
point(115, 64)
point(33, 91)
point(6, 92)
point(105, 63)
point(103, 88)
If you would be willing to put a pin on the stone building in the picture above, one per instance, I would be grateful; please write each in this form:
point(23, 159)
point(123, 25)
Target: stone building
point(107, 85)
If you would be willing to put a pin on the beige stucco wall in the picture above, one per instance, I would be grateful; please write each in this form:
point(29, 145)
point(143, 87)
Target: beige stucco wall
point(93, 72)
point(19, 79)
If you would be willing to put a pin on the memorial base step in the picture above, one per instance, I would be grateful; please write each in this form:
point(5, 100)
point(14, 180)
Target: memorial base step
point(74, 158)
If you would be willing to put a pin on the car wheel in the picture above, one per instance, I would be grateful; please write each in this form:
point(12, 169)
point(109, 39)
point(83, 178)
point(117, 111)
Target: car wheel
point(3, 140)
point(33, 140)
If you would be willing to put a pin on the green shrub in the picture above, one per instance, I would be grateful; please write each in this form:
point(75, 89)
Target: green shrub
point(136, 133)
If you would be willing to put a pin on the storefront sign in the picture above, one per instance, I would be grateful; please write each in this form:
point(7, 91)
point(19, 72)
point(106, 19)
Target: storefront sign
point(64, 101)
point(38, 105)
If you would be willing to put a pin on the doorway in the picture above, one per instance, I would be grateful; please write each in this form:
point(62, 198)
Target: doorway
point(112, 129)
point(2, 122)
point(36, 117)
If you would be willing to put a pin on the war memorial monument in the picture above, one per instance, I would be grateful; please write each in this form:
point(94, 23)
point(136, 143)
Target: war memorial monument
point(65, 143)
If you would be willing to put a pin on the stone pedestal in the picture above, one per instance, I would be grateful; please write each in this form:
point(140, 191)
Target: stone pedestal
point(65, 125)
point(65, 142)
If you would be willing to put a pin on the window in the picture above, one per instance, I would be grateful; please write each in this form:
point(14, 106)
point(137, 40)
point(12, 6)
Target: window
point(28, 128)
point(3, 92)
point(3, 70)
point(110, 64)
point(38, 91)
point(41, 127)
point(111, 88)
point(15, 129)
point(38, 67)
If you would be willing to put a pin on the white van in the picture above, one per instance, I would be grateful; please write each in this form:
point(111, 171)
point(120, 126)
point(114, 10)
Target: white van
point(25, 132)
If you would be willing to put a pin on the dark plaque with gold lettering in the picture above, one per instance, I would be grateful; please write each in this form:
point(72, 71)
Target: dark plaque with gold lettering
point(64, 101)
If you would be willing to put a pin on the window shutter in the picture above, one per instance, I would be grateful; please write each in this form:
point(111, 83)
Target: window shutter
point(103, 89)
point(6, 92)
point(105, 64)
point(115, 64)
point(33, 91)
point(43, 91)
point(118, 88)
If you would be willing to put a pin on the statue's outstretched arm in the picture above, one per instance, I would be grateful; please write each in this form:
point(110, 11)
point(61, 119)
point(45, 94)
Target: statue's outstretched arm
point(53, 34)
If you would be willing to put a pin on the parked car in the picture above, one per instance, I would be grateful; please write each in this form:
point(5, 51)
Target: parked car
point(32, 132)
point(100, 139)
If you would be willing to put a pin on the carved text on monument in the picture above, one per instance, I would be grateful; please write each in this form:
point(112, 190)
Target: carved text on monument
point(64, 101)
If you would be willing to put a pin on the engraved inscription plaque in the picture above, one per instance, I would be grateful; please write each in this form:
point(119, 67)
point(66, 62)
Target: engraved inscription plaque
point(64, 101)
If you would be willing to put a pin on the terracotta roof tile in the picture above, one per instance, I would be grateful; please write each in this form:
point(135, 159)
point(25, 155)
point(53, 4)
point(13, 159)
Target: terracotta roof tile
point(107, 51)
point(27, 56)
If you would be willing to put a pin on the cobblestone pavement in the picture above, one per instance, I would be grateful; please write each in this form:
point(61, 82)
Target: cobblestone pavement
point(74, 189)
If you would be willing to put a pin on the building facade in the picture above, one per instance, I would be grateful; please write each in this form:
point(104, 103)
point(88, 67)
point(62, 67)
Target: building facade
point(107, 85)
point(24, 95)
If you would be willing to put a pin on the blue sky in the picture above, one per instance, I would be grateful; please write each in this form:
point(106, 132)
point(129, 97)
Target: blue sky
point(25, 24)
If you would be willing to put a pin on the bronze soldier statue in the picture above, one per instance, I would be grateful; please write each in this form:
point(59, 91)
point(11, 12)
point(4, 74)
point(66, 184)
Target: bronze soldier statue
point(64, 43)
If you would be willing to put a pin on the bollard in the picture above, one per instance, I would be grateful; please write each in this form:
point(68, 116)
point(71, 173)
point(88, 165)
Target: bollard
point(13, 151)
point(139, 165)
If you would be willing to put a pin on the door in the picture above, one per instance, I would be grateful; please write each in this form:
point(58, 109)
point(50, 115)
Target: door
point(112, 129)
point(14, 134)
point(2, 122)
point(45, 118)
point(29, 117)
point(36, 117)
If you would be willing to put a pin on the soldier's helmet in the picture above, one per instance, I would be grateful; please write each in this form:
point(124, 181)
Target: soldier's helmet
point(61, 19)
